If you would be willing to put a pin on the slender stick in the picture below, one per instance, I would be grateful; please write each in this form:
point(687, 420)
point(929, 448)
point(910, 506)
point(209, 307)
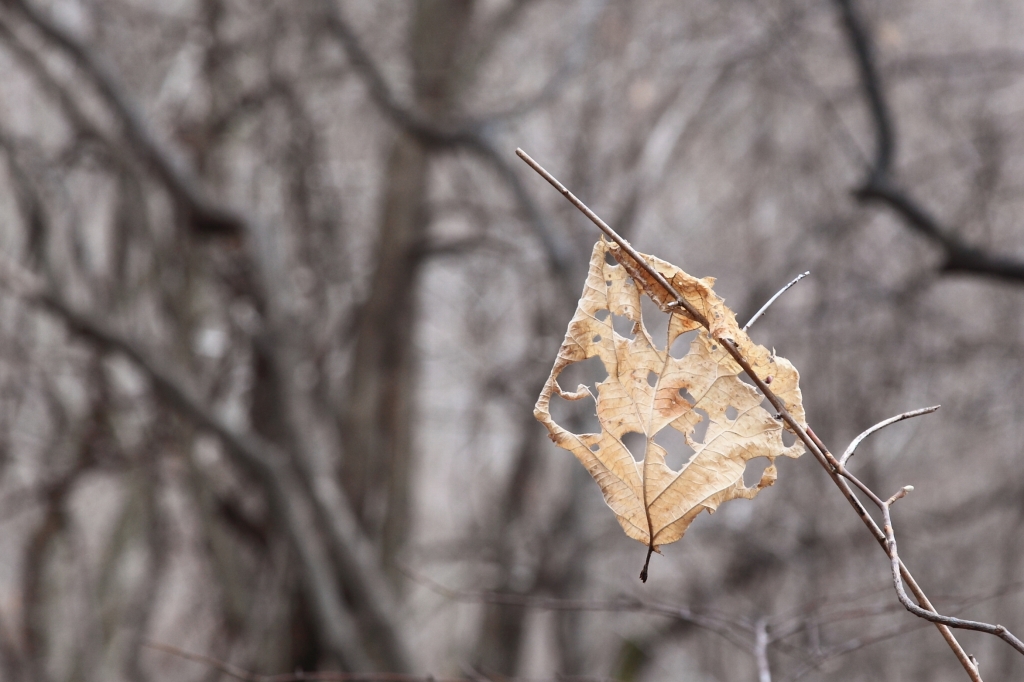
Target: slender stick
point(764, 671)
point(771, 300)
point(807, 436)
point(999, 631)
point(881, 425)
point(613, 235)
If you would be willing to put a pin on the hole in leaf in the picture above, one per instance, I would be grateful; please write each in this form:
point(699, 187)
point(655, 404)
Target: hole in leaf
point(610, 259)
point(629, 282)
point(678, 453)
point(608, 283)
point(687, 396)
point(755, 468)
point(587, 372)
point(602, 315)
point(578, 416)
point(731, 413)
point(700, 431)
point(788, 438)
point(595, 447)
point(681, 344)
point(623, 326)
point(596, 339)
point(636, 443)
point(652, 379)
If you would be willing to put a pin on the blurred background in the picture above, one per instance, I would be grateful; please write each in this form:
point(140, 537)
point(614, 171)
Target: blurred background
point(278, 299)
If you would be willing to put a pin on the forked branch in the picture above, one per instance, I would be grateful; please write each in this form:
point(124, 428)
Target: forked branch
point(880, 184)
point(835, 468)
point(296, 511)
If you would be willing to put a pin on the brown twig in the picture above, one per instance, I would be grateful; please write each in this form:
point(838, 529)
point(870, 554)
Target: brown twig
point(612, 234)
point(999, 631)
point(840, 476)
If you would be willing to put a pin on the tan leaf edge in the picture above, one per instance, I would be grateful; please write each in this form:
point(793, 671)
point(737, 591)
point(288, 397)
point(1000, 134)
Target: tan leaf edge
point(647, 390)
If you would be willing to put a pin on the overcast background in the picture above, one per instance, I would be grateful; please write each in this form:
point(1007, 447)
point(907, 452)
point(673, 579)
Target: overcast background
point(278, 299)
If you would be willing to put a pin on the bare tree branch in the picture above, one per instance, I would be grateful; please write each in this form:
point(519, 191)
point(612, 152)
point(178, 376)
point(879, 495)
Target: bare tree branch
point(325, 676)
point(472, 135)
point(258, 456)
point(771, 300)
point(881, 186)
point(836, 471)
point(354, 559)
point(272, 467)
point(730, 628)
point(207, 216)
point(764, 671)
point(852, 448)
point(999, 631)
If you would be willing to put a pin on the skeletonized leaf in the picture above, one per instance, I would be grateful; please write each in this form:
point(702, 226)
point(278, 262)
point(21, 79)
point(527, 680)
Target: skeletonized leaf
point(648, 390)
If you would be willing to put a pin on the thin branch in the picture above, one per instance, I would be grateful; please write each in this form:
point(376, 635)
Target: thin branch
point(207, 216)
point(573, 58)
point(863, 49)
point(881, 186)
point(295, 510)
point(326, 676)
point(764, 671)
point(612, 234)
point(852, 448)
point(771, 300)
point(850, 646)
point(947, 634)
point(354, 561)
point(835, 470)
point(999, 631)
point(725, 626)
point(468, 134)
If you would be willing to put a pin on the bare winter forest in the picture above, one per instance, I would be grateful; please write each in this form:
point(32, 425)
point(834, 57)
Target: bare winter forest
point(277, 299)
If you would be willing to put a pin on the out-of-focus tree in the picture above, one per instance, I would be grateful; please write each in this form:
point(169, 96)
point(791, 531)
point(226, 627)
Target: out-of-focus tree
point(278, 300)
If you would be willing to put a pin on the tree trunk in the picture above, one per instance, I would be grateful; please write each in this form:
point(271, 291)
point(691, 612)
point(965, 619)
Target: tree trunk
point(378, 413)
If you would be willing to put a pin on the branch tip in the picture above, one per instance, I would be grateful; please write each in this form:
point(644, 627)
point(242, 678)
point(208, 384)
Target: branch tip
point(855, 443)
point(771, 300)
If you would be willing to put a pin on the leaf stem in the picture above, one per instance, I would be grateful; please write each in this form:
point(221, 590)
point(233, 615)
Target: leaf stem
point(647, 561)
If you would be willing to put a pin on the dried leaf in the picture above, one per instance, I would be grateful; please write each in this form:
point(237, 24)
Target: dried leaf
point(648, 390)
